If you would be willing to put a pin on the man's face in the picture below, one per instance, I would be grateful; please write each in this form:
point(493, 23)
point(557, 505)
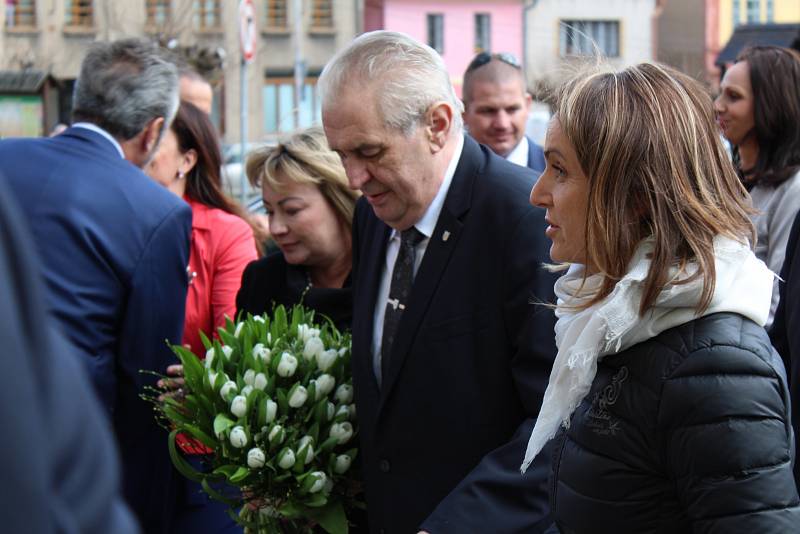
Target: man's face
point(198, 92)
point(396, 173)
point(496, 114)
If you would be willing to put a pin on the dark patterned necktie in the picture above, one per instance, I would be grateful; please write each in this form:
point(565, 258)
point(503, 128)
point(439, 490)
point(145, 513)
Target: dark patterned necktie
point(399, 291)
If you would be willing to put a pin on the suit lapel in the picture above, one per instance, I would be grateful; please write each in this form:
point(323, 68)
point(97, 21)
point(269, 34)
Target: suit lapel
point(376, 237)
point(437, 256)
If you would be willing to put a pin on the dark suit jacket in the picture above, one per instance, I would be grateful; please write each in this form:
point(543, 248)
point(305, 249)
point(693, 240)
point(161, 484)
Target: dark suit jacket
point(785, 330)
point(443, 439)
point(536, 159)
point(271, 281)
point(114, 247)
point(59, 463)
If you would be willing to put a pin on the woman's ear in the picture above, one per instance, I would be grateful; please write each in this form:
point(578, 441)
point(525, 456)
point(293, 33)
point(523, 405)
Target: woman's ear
point(188, 161)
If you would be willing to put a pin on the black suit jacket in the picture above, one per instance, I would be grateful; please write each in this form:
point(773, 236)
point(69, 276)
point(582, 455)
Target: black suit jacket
point(114, 247)
point(443, 439)
point(536, 159)
point(785, 330)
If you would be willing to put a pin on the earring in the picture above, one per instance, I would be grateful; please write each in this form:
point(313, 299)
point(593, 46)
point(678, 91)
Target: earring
point(181, 175)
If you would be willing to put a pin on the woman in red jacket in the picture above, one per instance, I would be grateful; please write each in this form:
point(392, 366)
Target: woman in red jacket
point(188, 163)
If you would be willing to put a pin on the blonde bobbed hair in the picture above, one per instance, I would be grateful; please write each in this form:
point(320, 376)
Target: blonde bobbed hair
point(305, 158)
point(647, 140)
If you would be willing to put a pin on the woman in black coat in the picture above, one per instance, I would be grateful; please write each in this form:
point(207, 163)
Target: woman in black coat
point(310, 210)
point(670, 406)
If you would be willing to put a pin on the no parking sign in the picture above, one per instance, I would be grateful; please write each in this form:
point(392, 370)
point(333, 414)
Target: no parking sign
point(247, 29)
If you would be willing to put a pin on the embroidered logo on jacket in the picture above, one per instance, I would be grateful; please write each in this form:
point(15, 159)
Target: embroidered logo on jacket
point(599, 420)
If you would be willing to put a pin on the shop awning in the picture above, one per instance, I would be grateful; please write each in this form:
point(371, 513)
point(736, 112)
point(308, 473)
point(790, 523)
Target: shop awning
point(786, 35)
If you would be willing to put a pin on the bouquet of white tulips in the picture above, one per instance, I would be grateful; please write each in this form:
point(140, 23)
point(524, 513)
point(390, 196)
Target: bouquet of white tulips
point(274, 402)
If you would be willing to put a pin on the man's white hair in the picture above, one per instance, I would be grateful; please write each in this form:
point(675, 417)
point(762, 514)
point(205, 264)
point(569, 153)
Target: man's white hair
point(408, 78)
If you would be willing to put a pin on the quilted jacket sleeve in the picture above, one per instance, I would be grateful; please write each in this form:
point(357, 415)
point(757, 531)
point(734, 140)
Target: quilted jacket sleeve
point(728, 442)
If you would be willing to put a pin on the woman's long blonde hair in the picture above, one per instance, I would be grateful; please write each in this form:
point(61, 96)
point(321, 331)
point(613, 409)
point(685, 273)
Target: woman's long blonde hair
point(647, 140)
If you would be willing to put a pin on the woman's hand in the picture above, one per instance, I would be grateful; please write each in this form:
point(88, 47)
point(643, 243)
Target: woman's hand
point(173, 386)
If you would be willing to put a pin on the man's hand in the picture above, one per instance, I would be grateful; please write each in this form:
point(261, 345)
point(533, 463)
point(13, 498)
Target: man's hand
point(173, 386)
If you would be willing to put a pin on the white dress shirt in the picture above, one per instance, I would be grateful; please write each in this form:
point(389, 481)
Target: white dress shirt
point(426, 225)
point(95, 128)
point(520, 153)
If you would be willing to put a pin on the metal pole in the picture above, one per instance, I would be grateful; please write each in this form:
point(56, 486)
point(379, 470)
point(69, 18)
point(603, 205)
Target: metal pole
point(299, 75)
point(243, 133)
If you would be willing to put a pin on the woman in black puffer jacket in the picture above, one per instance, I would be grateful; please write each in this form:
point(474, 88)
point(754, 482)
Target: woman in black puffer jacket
point(670, 406)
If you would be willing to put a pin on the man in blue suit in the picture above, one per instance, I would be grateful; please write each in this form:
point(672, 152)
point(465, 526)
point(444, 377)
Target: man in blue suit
point(496, 108)
point(450, 355)
point(114, 248)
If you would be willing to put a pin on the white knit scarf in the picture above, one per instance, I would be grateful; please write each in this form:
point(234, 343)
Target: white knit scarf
point(743, 286)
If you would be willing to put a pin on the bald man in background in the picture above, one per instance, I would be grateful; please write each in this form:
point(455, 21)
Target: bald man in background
point(496, 108)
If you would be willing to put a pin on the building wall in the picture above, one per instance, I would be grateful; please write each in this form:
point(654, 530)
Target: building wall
point(785, 11)
point(681, 36)
point(59, 51)
point(636, 33)
point(410, 16)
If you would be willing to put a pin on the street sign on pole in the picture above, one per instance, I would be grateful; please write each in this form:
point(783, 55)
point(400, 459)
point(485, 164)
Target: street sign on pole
point(247, 40)
point(247, 29)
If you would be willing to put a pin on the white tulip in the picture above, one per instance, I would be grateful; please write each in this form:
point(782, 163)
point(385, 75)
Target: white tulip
point(344, 394)
point(238, 437)
point(343, 410)
point(312, 348)
point(324, 385)
point(342, 351)
point(277, 434)
point(331, 411)
point(342, 432)
point(212, 377)
point(249, 377)
point(270, 410)
point(210, 357)
point(326, 359)
point(247, 390)
point(287, 365)
point(258, 319)
point(306, 441)
point(239, 405)
point(226, 388)
point(352, 412)
point(260, 351)
point(319, 483)
point(342, 464)
point(227, 351)
point(286, 458)
point(238, 329)
point(260, 381)
point(256, 458)
point(298, 396)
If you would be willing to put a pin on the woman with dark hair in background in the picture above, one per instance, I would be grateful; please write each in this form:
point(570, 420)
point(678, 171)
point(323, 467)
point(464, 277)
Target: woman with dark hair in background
point(758, 110)
point(310, 209)
point(188, 163)
point(670, 406)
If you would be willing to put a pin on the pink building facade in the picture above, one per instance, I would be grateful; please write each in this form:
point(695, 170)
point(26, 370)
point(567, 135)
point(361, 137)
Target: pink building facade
point(457, 29)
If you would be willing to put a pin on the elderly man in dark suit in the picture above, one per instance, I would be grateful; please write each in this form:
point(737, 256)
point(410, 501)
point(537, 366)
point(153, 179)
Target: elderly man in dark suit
point(57, 456)
point(450, 356)
point(496, 109)
point(114, 247)
point(785, 330)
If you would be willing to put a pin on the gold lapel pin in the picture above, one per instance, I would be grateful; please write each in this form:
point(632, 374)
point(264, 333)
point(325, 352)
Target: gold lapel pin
point(445, 235)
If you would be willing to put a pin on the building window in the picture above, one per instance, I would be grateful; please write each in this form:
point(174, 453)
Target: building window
point(753, 11)
point(483, 32)
point(80, 13)
point(21, 13)
point(276, 14)
point(207, 14)
point(158, 12)
point(436, 31)
point(770, 11)
point(588, 37)
point(281, 112)
point(736, 15)
point(322, 14)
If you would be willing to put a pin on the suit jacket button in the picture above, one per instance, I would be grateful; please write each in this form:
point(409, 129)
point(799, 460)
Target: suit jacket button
point(384, 466)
